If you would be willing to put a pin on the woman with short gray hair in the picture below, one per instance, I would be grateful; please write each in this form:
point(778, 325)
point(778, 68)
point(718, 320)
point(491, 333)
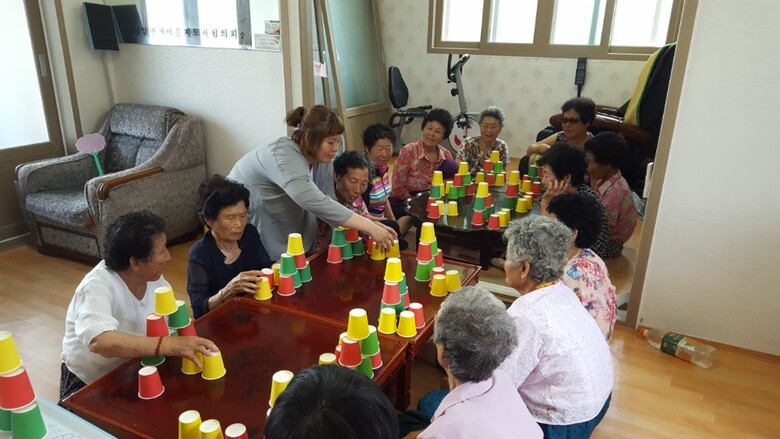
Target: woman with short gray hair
point(562, 367)
point(477, 149)
point(473, 335)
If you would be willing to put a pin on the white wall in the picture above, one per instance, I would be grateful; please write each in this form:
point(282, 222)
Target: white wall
point(529, 90)
point(713, 263)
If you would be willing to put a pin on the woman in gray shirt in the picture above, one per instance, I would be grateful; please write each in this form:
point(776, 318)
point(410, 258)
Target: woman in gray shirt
point(291, 183)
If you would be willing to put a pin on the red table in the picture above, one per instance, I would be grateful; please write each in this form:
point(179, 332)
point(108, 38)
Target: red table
point(256, 340)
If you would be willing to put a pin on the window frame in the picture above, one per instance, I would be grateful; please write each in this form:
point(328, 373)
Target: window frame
point(541, 46)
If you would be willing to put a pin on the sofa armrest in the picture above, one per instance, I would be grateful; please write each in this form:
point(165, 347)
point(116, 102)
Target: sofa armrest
point(58, 173)
point(104, 189)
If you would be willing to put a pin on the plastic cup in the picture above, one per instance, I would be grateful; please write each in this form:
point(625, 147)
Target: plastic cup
point(393, 270)
point(357, 325)
point(533, 171)
point(275, 267)
point(500, 178)
point(327, 358)
point(514, 178)
point(286, 286)
point(433, 211)
point(402, 287)
point(358, 248)
point(435, 192)
point(338, 238)
point(346, 251)
point(149, 383)
point(495, 157)
point(470, 190)
point(436, 271)
point(439, 286)
point(477, 218)
point(164, 301)
point(300, 261)
point(480, 178)
point(391, 293)
point(188, 367)
point(213, 366)
point(386, 321)
point(279, 382)
point(525, 186)
point(488, 200)
point(461, 191)
point(512, 190)
point(503, 217)
point(406, 325)
point(263, 289)
point(479, 203)
point(27, 423)
point(236, 431)
point(438, 178)
point(452, 279)
point(377, 254)
point(406, 300)
point(295, 244)
point(189, 425)
point(153, 361)
point(490, 179)
point(376, 361)
point(395, 250)
point(424, 251)
point(453, 193)
point(463, 168)
point(334, 254)
point(370, 345)
point(466, 179)
point(210, 429)
point(493, 223)
point(440, 205)
point(419, 315)
point(365, 367)
point(487, 166)
point(305, 273)
point(509, 202)
point(296, 276)
point(287, 267)
point(337, 352)
point(180, 318)
point(529, 202)
point(498, 167)
point(483, 190)
point(447, 186)
point(536, 188)
point(188, 330)
point(521, 205)
point(155, 325)
point(452, 208)
point(352, 235)
point(16, 390)
point(439, 259)
point(350, 353)
point(457, 180)
point(423, 272)
point(5, 420)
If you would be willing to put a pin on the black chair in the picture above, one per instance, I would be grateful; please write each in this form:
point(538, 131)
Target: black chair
point(399, 98)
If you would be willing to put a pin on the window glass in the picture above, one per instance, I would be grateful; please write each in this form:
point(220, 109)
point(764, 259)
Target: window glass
point(641, 23)
point(577, 22)
point(513, 21)
point(462, 20)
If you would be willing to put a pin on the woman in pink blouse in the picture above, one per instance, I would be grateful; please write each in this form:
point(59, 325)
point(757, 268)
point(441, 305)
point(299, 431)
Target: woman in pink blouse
point(416, 162)
point(585, 272)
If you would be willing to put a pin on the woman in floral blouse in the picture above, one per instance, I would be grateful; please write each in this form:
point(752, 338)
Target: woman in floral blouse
point(477, 149)
point(585, 272)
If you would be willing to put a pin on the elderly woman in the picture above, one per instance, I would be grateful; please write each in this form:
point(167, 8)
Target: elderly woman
point(227, 260)
point(416, 161)
point(585, 272)
point(378, 140)
point(477, 149)
point(576, 116)
point(473, 336)
point(562, 366)
point(291, 182)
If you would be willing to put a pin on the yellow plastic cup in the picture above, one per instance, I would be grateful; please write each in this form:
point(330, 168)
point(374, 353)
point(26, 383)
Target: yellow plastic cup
point(525, 186)
point(529, 202)
point(480, 178)
point(407, 327)
point(279, 382)
point(447, 186)
point(164, 301)
point(275, 267)
point(463, 168)
point(189, 425)
point(452, 279)
point(190, 368)
point(494, 156)
point(263, 289)
point(428, 233)
point(503, 218)
point(483, 189)
point(500, 179)
point(438, 178)
point(452, 208)
point(395, 250)
point(440, 203)
point(393, 270)
point(386, 321)
point(9, 356)
point(439, 285)
point(522, 205)
point(213, 366)
point(210, 429)
point(514, 178)
point(295, 244)
point(327, 358)
point(357, 326)
point(377, 254)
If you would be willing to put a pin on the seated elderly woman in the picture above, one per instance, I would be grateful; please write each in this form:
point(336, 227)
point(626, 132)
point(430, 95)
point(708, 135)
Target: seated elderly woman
point(227, 260)
point(562, 366)
point(586, 273)
point(473, 336)
point(477, 149)
point(330, 401)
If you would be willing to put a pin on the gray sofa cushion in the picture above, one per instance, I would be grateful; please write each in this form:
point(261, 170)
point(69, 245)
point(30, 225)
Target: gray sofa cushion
point(121, 152)
point(67, 206)
point(144, 121)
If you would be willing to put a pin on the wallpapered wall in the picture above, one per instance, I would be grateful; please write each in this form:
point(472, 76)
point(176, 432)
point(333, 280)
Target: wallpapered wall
point(528, 89)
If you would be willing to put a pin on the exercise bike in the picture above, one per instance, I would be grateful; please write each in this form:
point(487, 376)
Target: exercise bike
point(466, 124)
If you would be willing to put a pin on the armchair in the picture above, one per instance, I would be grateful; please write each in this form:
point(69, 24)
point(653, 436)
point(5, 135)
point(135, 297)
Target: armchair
point(154, 160)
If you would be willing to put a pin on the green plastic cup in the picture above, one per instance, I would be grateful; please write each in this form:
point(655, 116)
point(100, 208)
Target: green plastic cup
point(297, 281)
point(435, 192)
point(498, 167)
point(423, 273)
point(453, 194)
point(358, 249)
point(365, 367)
point(533, 171)
point(462, 191)
point(28, 423)
point(370, 345)
point(338, 238)
point(153, 361)
point(479, 204)
point(466, 179)
point(287, 267)
point(346, 251)
point(510, 202)
point(434, 249)
point(305, 273)
point(489, 211)
point(400, 306)
point(5, 420)
point(179, 318)
point(402, 288)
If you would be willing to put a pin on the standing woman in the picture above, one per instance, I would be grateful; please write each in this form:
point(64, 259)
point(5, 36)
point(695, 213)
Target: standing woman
point(291, 183)
point(477, 149)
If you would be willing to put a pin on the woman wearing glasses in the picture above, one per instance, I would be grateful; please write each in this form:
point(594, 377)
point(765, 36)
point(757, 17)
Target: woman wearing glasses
point(577, 115)
point(228, 259)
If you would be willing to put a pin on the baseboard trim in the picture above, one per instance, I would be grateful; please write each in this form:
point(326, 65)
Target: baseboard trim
point(16, 241)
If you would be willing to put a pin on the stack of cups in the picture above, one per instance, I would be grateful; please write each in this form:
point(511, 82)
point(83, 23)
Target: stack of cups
point(466, 187)
point(395, 281)
point(512, 189)
point(480, 205)
point(155, 327)
point(437, 185)
point(338, 249)
point(427, 253)
point(289, 276)
point(178, 323)
point(355, 241)
point(295, 249)
point(521, 205)
point(497, 168)
point(371, 357)
point(19, 413)
point(525, 186)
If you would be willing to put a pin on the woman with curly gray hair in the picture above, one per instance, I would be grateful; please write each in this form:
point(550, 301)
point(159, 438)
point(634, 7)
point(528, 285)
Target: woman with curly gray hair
point(562, 366)
point(477, 149)
point(473, 335)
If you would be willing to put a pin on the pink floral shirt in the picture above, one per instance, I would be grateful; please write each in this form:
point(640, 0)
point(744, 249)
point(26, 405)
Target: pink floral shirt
point(475, 157)
point(587, 275)
point(616, 197)
point(412, 171)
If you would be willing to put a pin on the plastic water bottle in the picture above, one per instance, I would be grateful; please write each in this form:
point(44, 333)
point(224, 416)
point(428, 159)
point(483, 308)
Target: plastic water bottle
point(680, 346)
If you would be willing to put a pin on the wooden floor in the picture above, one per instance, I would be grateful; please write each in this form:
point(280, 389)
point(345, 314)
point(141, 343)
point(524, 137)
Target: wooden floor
point(655, 395)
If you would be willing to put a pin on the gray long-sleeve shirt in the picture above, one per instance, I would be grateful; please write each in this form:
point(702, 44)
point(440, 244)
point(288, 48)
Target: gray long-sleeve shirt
point(285, 196)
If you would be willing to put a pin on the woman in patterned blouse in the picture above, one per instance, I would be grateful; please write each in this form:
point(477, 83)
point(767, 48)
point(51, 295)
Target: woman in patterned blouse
point(477, 149)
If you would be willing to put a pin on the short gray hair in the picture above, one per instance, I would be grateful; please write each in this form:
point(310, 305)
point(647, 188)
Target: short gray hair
point(475, 332)
point(495, 112)
point(542, 242)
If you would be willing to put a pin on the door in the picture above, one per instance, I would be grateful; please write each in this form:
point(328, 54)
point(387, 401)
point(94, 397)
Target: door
point(29, 125)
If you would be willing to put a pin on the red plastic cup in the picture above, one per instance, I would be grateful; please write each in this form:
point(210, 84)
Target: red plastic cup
point(526, 177)
point(439, 259)
point(457, 180)
point(511, 190)
point(406, 300)
point(337, 351)
point(149, 384)
point(536, 187)
point(352, 235)
point(188, 330)
point(419, 316)
point(300, 261)
point(478, 218)
point(269, 274)
point(433, 211)
point(424, 250)
point(436, 270)
point(369, 244)
point(391, 294)
point(490, 179)
point(376, 361)
point(236, 431)
point(489, 200)
point(286, 286)
point(487, 166)
point(16, 390)
point(540, 172)
point(156, 326)
point(493, 223)
point(350, 353)
point(470, 189)
point(334, 254)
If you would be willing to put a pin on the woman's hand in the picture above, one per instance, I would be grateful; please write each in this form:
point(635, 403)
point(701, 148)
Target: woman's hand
point(187, 347)
point(555, 188)
point(244, 282)
point(382, 235)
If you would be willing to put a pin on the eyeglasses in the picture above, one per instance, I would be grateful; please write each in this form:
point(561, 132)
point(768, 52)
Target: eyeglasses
point(566, 120)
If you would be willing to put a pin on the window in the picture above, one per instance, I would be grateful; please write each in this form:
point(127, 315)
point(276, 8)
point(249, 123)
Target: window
point(602, 29)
